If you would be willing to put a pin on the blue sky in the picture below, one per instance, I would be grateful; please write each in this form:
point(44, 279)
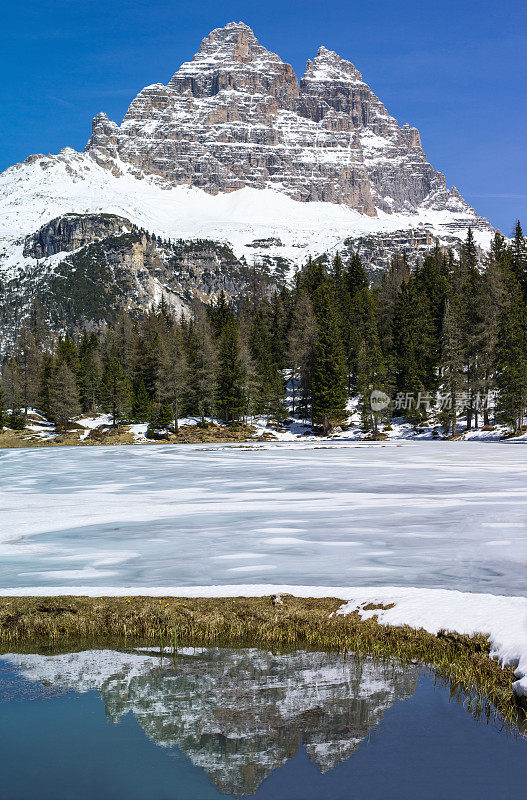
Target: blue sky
point(456, 70)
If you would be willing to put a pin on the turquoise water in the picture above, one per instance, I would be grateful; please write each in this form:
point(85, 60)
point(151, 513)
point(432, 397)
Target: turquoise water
point(241, 723)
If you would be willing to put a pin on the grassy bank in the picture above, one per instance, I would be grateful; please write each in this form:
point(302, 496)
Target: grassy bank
point(188, 434)
point(464, 662)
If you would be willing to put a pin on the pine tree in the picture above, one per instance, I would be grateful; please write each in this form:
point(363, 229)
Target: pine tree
point(28, 359)
point(468, 259)
point(202, 364)
point(2, 410)
point(44, 384)
point(64, 397)
point(12, 383)
point(116, 391)
point(512, 359)
point(372, 372)
point(386, 295)
point(452, 361)
point(171, 382)
point(518, 259)
point(329, 375)
point(270, 398)
point(220, 314)
point(415, 351)
point(67, 353)
point(355, 277)
point(141, 403)
point(231, 375)
point(493, 292)
point(89, 372)
point(17, 419)
point(166, 416)
point(300, 349)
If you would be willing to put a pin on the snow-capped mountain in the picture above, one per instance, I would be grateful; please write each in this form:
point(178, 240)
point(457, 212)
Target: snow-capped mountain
point(236, 150)
point(237, 714)
point(236, 116)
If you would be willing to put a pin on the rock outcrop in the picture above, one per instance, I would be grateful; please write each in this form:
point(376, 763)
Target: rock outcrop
point(262, 170)
point(68, 233)
point(108, 264)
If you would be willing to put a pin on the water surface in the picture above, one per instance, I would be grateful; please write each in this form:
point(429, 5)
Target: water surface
point(241, 723)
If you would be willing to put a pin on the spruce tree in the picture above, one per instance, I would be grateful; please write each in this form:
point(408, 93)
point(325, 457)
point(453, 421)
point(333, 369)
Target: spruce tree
point(300, 350)
point(329, 374)
point(171, 382)
point(28, 358)
point(165, 419)
point(202, 365)
point(512, 359)
point(64, 397)
point(89, 372)
point(518, 259)
point(141, 403)
point(415, 351)
point(355, 276)
point(231, 375)
point(67, 353)
point(452, 362)
point(116, 391)
point(270, 397)
point(2, 410)
point(44, 384)
point(12, 383)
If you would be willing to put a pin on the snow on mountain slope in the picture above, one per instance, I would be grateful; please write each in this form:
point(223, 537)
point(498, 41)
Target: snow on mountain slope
point(45, 187)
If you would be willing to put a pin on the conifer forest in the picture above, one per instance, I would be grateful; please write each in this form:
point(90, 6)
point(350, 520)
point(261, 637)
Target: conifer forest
point(430, 344)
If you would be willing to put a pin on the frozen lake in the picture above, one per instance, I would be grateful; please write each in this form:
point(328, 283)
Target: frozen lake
point(428, 514)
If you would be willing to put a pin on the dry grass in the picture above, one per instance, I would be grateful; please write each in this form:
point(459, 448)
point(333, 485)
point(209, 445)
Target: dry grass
point(461, 661)
point(213, 434)
point(105, 435)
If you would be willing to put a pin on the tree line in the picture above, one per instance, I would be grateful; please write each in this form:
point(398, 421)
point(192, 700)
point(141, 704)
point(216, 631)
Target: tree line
point(437, 340)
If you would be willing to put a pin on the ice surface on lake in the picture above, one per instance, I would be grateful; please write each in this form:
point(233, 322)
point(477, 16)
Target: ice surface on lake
point(440, 514)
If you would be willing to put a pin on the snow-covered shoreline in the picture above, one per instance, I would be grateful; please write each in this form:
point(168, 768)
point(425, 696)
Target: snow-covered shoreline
point(503, 619)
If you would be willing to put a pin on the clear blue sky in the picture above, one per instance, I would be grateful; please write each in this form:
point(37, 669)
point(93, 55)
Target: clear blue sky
point(455, 69)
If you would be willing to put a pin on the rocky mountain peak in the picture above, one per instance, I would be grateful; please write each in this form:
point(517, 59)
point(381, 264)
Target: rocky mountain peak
point(230, 58)
point(236, 38)
point(329, 67)
point(236, 116)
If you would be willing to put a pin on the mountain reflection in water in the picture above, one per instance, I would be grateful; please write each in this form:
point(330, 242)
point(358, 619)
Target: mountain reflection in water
point(238, 714)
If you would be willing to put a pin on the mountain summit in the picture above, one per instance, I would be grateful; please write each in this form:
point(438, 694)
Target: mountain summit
point(235, 163)
point(236, 116)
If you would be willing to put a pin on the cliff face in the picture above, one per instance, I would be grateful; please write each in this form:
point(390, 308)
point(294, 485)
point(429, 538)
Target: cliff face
point(72, 231)
point(89, 266)
point(237, 116)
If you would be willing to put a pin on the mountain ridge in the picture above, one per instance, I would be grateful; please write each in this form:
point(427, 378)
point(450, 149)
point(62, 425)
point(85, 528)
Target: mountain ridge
point(237, 150)
point(237, 115)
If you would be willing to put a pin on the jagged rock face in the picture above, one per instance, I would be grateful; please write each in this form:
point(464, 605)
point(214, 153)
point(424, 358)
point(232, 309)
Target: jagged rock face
point(236, 116)
point(233, 118)
point(64, 234)
point(110, 264)
point(238, 714)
